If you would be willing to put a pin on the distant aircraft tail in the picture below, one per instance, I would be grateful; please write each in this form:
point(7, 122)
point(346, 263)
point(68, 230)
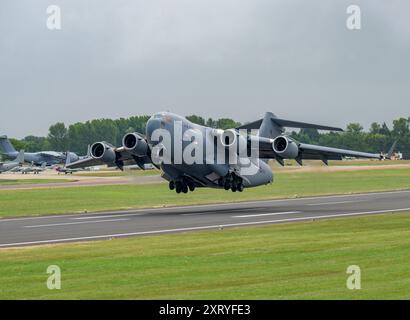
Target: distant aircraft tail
point(6, 146)
point(271, 126)
point(390, 153)
point(20, 157)
point(67, 159)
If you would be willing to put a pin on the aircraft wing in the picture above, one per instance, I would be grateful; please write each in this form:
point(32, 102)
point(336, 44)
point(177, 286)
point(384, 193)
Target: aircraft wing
point(313, 152)
point(122, 158)
point(84, 163)
point(310, 152)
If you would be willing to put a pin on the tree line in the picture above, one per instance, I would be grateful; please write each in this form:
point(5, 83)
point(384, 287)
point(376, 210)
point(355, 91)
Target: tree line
point(76, 137)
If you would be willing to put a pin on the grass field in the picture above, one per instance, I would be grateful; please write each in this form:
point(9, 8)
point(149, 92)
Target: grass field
point(289, 261)
point(287, 184)
point(118, 173)
point(6, 182)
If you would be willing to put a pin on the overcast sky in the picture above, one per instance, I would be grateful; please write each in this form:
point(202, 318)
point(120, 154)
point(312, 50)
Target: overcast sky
point(215, 58)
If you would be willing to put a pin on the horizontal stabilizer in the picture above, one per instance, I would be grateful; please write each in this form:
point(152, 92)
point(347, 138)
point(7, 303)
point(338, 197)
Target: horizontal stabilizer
point(287, 123)
point(296, 124)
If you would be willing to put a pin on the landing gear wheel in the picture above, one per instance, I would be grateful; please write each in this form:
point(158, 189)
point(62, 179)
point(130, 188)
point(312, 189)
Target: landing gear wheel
point(191, 187)
point(184, 188)
point(240, 187)
point(227, 185)
point(178, 187)
point(171, 185)
point(233, 188)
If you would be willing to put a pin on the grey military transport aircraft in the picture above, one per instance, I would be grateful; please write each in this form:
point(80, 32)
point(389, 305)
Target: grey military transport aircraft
point(38, 158)
point(7, 166)
point(192, 155)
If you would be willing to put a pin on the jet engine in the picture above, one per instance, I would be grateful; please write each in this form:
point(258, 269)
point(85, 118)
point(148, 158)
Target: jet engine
point(103, 152)
point(135, 144)
point(285, 147)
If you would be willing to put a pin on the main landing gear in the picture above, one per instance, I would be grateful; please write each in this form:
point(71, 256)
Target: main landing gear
point(232, 182)
point(181, 186)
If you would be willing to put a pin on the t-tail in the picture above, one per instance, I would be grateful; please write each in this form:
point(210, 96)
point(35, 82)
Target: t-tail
point(271, 126)
point(6, 146)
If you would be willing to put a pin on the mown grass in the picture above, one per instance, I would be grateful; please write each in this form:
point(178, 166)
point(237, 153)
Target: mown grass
point(287, 184)
point(289, 261)
point(119, 173)
point(6, 182)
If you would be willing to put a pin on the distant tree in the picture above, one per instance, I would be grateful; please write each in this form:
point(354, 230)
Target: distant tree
point(400, 127)
point(385, 129)
point(354, 128)
point(196, 119)
point(58, 137)
point(18, 144)
point(226, 123)
point(35, 144)
point(210, 123)
point(311, 134)
point(375, 128)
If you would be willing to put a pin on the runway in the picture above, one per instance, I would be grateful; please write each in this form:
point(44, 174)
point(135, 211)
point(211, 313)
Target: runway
point(98, 226)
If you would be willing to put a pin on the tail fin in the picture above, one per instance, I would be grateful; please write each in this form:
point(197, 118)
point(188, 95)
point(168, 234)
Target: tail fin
point(20, 157)
point(67, 158)
point(5, 145)
point(390, 153)
point(271, 126)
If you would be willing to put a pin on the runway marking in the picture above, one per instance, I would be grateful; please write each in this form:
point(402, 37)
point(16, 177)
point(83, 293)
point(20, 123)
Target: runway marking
point(330, 203)
point(266, 214)
point(193, 214)
point(69, 223)
point(133, 211)
point(200, 228)
point(109, 216)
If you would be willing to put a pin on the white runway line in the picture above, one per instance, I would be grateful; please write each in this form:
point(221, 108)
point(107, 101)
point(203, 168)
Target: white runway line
point(194, 214)
point(69, 223)
point(109, 216)
point(198, 228)
point(330, 203)
point(266, 214)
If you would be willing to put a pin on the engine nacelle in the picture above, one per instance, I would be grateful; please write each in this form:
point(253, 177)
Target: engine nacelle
point(135, 144)
point(285, 147)
point(103, 152)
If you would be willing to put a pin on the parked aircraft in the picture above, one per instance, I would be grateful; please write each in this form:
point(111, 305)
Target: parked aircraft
point(49, 157)
point(33, 168)
point(66, 170)
point(7, 166)
point(192, 155)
